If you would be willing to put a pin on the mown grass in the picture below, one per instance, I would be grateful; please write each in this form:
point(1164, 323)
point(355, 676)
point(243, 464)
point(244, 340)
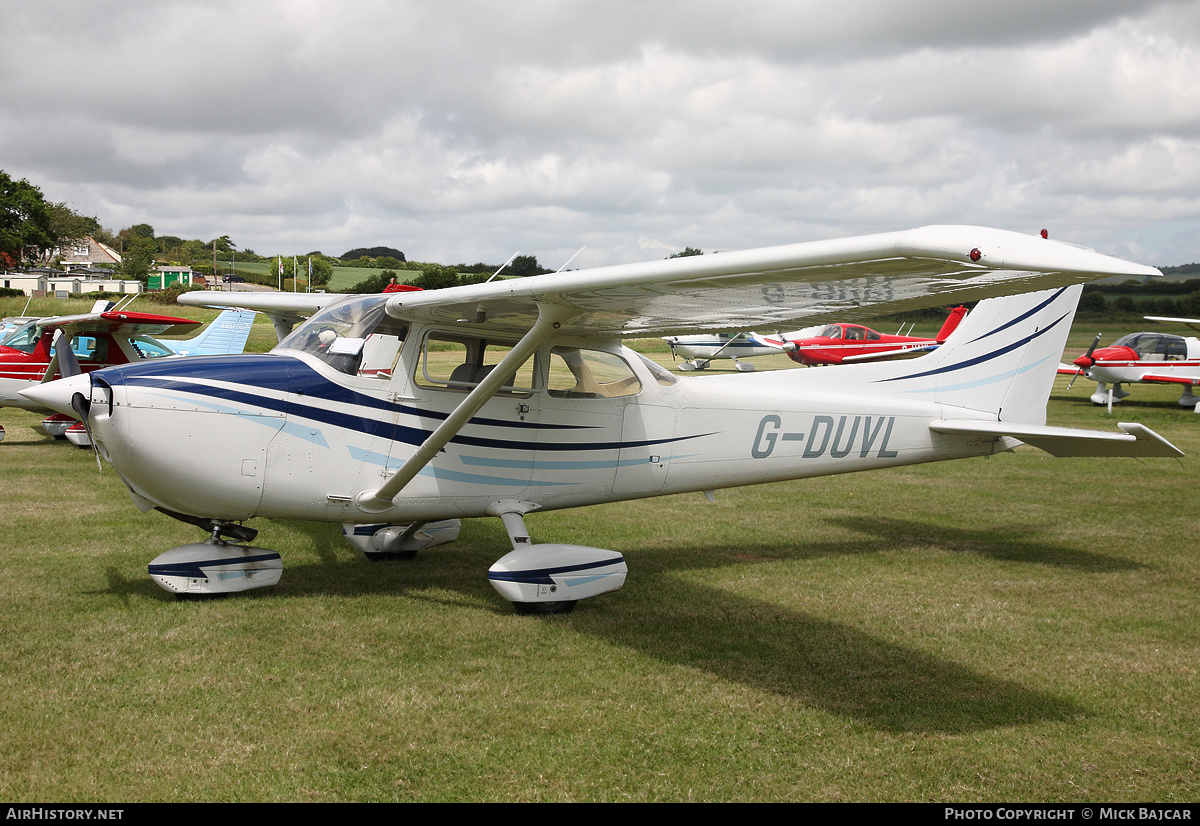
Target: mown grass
point(1019, 628)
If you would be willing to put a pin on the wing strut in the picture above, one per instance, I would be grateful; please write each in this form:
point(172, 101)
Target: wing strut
point(550, 318)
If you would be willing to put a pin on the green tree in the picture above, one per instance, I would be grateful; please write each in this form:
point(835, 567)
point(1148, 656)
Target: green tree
point(373, 283)
point(687, 253)
point(436, 277)
point(137, 257)
point(26, 220)
point(70, 226)
point(322, 270)
point(1092, 302)
point(524, 265)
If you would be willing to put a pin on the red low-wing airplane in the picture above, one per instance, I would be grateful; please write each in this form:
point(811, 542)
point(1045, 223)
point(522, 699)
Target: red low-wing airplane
point(98, 339)
point(1150, 358)
point(849, 343)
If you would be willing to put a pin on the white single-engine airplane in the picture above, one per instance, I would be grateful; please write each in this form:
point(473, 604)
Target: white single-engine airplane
point(1150, 358)
point(398, 415)
point(698, 351)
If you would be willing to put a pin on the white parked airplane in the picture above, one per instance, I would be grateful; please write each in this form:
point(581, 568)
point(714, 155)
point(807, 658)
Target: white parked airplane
point(398, 415)
point(699, 350)
point(1150, 358)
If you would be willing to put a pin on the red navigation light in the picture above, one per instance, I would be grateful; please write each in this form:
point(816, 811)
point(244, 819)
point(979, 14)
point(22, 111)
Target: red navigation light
point(976, 254)
point(1045, 233)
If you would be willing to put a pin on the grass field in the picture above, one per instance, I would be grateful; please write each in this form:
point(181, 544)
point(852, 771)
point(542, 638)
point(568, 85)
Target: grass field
point(1018, 628)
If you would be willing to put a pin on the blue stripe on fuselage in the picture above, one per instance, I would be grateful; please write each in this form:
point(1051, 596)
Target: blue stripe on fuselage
point(291, 377)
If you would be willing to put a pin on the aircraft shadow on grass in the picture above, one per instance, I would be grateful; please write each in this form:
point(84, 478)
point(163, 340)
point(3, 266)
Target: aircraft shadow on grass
point(812, 660)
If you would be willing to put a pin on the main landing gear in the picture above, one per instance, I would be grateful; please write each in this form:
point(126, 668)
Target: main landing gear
point(546, 578)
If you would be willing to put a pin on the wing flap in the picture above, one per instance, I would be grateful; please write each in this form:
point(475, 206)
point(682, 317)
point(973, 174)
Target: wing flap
point(1137, 440)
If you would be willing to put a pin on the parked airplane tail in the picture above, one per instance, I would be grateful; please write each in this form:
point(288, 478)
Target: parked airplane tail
point(1001, 360)
point(227, 334)
point(951, 324)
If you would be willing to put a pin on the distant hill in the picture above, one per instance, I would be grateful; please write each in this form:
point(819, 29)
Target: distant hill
point(1184, 269)
point(373, 252)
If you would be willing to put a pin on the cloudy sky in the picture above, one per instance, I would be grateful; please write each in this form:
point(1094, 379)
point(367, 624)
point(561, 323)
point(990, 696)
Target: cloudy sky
point(466, 130)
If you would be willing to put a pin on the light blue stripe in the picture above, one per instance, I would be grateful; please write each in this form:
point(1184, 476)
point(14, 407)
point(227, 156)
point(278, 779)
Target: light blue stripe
point(971, 385)
point(523, 464)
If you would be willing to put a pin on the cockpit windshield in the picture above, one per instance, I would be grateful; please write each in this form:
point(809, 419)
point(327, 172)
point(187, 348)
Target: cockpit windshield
point(24, 338)
point(1155, 346)
point(356, 337)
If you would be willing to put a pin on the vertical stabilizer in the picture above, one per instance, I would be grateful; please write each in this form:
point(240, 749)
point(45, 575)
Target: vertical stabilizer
point(951, 324)
point(226, 335)
point(1001, 360)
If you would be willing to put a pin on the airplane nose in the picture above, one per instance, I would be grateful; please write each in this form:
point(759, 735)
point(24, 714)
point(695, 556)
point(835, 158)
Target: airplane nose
point(1084, 362)
point(57, 395)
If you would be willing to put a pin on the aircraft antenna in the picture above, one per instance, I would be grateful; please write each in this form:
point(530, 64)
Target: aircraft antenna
point(572, 258)
point(505, 264)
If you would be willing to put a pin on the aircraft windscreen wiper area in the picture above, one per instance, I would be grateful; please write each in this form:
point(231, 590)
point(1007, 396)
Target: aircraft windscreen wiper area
point(398, 415)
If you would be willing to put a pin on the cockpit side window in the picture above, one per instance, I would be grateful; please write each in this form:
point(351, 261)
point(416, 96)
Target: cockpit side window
point(455, 362)
point(91, 348)
point(147, 348)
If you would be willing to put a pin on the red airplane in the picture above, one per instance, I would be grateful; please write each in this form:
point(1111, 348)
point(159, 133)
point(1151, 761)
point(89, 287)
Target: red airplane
point(32, 353)
point(848, 343)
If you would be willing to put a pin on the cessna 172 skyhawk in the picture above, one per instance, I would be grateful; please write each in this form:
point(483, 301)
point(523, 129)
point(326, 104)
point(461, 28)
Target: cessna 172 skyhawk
point(698, 351)
point(398, 415)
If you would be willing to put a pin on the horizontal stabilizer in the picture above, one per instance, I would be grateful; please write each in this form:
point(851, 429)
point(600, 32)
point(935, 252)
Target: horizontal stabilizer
point(1137, 440)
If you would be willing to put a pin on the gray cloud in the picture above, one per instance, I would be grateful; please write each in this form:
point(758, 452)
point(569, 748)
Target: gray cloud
point(463, 131)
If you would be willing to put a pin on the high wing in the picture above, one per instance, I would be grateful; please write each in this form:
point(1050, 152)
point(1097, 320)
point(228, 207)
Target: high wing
point(849, 279)
point(1194, 323)
point(284, 309)
point(845, 280)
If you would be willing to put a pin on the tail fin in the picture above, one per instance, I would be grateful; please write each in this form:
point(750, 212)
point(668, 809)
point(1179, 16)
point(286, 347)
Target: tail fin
point(952, 320)
point(1002, 359)
point(226, 335)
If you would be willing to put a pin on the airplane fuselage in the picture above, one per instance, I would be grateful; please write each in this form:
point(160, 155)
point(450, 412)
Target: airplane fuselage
point(284, 435)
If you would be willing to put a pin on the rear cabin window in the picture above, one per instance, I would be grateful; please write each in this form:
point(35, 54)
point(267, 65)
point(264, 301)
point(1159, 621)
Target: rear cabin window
point(576, 373)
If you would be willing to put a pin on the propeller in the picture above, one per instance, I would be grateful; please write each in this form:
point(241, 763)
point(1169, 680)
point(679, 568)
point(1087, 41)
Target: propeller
point(82, 407)
point(63, 360)
point(1086, 357)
